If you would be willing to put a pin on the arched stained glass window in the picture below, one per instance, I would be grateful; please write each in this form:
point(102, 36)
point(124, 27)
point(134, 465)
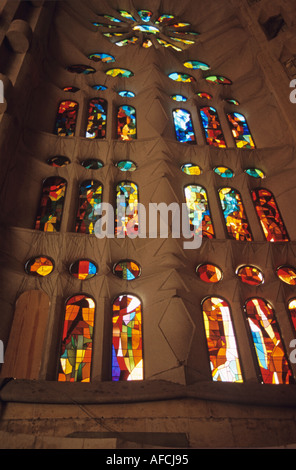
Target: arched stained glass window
point(270, 219)
point(292, 311)
point(270, 352)
point(240, 131)
point(127, 354)
point(126, 123)
point(222, 348)
point(97, 119)
point(50, 210)
point(212, 127)
point(198, 209)
point(183, 126)
point(66, 118)
point(76, 347)
point(90, 198)
point(127, 199)
point(234, 214)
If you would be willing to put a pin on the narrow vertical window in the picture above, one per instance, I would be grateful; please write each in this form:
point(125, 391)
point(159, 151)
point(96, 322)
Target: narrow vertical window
point(97, 119)
point(234, 214)
point(76, 347)
point(90, 198)
point(240, 131)
point(292, 312)
point(183, 126)
point(271, 356)
point(127, 355)
point(127, 199)
point(51, 205)
point(270, 219)
point(66, 118)
point(222, 349)
point(212, 127)
point(199, 212)
point(126, 123)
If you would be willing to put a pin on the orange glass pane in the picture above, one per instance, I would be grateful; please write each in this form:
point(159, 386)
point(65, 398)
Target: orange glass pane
point(250, 275)
point(287, 274)
point(271, 222)
point(292, 311)
point(209, 273)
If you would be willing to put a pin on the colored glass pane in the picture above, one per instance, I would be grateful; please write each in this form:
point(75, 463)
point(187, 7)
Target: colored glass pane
point(209, 273)
point(50, 210)
point(234, 215)
point(202, 94)
point(198, 209)
point(271, 356)
point(99, 57)
point(164, 19)
point(83, 269)
point(250, 275)
point(240, 131)
point(183, 126)
point(178, 25)
point(292, 311)
point(184, 41)
point(231, 101)
point(112, 18)
point(66, 119)
point(270, 219)
point(39, 266)
point(255, 173)
point(145, 15)
point(119, 73)
point(127, 41)
point(76, 347)
point(147, 43)
point(212, 127)
point(222, 348)
point(146, 28)
point(127, 15)
point(70, 89)
point(99, 87)
point(191, 169)
point(179, 98)
point(218, 80)
point(224, 172)
point(287, 274)
point(127, 270)
point(58, 161)
point(164, 43)
point(90, 199)
point(181, 77)
point(127, 198)
point(126, 165)
point(97, 119)
point(126, 123)
point(127, 357)
point(84, 69)
point(126, 94)
point(92, 164)
point(196, 65)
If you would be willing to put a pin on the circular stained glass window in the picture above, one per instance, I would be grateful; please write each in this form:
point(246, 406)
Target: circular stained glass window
point(127, 270)
point(92, 164)
point(191, 169)
point(209, 273)
point(255, 173)
point(126, 165)
point(287, 274)
point(224, 172)
point(250, 275)
point(83, 269)
point(58, 161)
point(39, 266)
point(126, 94)
point(179, 98)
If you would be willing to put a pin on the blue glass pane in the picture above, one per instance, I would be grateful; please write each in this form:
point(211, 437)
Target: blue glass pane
point(183, 126)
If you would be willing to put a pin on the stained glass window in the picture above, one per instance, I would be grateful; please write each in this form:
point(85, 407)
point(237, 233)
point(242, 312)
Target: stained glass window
point(71, 89)
point(255, 173)
point(99, 87)
point(97, 119)
point(127, 355)
point(145, 15)
point(292, 311)
point(126, 123)
point(240, 131)
point(218, 80)
point(222, 348)
point(271, 356)
point(50, 210)
point(179, 98)
point(250, 275)
point(58, 161)
point(196, 65)
point(199, 212)
point(126, 165)
point(224, 172)
point(81, 69)
point(90, 198)
point(127, 270)
point(92, 164)
point(287, 274)
point(119, 73)
point(204, 95)
point(76, 347)
point(126, 94)
point(191, 169)
point(83, 269)
point(66, 119)
point(127, 198)
point(209, 273)
point(184, 126)
point(212, 127)
point(234, 214)
point(99, 57)
point(181, 77)
point(268, 213)
point(39, 266)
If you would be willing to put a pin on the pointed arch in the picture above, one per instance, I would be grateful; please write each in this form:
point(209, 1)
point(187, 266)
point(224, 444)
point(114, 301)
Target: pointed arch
point(234, 215)
point(199, 212)
point(97, 119)
point(240, 131)
point(126, 123)
point(212, 127)
point(126, 211)
point(66, 118)
point(183, 126)
point(49, 214)
point(90, 198)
